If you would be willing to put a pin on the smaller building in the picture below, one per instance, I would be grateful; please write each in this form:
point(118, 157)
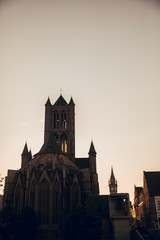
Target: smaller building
point(119, 209)
point(114, 210)
point(147, 200)
point(138, 205)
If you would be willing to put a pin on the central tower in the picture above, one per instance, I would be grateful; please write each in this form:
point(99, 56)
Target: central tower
point(60, 121)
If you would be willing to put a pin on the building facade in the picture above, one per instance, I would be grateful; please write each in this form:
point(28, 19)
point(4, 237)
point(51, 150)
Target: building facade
point(53, 180)
point(147, 200)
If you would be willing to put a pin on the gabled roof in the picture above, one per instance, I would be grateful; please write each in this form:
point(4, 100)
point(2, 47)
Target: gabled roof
point(153, 183)
point(60, 101)
point(92, 149)
point(50, 145)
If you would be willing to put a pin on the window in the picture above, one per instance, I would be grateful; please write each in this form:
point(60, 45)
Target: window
point(64, 143)
point(56, 120)
point(17, 199)
point(56, 202)
point(158, 205)
point(63, 120)
point(32, 195)
point(43, 205)
point(75, 195)
point(57, 138)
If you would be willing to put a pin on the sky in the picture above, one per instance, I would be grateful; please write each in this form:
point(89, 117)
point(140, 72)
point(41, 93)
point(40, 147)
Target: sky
point(106, 55)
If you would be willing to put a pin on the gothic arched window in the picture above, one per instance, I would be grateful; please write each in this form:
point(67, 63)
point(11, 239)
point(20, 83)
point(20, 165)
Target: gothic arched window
point(43, 202)
point(57, 138)
point(75, 195)
point(64, 143)
point(32, 195)
point(63, 120)
point(56, 201)
point(66, 197)
point(56, 120)
point(18, 199)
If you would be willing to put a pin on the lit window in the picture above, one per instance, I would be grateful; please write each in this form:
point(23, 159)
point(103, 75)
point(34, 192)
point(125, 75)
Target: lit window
point(64, 143)
point(158, 205)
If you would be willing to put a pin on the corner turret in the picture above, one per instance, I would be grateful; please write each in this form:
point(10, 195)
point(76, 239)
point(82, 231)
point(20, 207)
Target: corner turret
point(26, 156)
point(71, 102)
point(92, 158)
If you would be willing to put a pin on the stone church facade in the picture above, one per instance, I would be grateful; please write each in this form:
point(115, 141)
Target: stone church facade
point(53, 180)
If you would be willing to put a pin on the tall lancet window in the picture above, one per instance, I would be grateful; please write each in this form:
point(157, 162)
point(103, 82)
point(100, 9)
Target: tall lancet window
point(17, 201)
point(75, 196)
point(63, 120)
point(56, 202)
point(43, 204)
point(57, 138)
point(56, 120)
point(32, 195)
point(64, 143)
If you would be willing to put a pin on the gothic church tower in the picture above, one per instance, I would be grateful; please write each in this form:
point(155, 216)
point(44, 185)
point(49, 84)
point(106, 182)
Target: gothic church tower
point(60, 121)
point(112, 183)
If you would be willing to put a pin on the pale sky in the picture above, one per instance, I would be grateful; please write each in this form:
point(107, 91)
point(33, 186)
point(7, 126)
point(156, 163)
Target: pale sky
point(106, 55)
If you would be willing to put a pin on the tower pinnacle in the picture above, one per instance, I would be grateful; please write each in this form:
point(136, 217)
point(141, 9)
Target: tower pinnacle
point(112, 183)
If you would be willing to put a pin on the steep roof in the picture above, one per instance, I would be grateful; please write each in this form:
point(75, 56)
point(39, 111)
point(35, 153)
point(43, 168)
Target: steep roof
point(71, 102)
point(153, 183)
point(92, 148)
point(60, 101)
point(50, 145)
point(25, 150)
point(48, 102)
point(112, 178)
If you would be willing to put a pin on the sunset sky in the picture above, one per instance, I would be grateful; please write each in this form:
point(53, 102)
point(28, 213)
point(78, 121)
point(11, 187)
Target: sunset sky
point(106, 55)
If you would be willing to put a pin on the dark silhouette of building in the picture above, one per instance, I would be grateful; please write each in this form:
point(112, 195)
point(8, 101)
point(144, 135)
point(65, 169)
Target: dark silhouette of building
point(147, 200)
point(53, 180)
point(112, 183)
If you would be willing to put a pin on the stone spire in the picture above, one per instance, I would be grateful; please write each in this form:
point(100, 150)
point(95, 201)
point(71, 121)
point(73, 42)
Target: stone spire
point(112, 183)
point(92, 148)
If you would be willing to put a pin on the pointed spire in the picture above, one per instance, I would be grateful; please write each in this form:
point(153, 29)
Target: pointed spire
point(71, 102)
point(48, 102)
point(112, 183)
point(25, 150)
point(112, 178)
point(92, 148)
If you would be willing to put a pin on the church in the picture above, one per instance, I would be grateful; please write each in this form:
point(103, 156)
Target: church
point(53, 180)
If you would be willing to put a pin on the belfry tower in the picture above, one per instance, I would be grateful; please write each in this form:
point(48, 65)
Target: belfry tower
point(60, 121)
point(112, 183)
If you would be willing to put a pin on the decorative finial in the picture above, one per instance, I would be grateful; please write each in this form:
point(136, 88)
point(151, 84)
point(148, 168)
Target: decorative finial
point(61, 91)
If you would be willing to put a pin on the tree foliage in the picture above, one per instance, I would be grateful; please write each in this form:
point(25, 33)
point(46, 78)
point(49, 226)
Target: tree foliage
point(7, 222)
point(82, 223)
point(24, 226)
